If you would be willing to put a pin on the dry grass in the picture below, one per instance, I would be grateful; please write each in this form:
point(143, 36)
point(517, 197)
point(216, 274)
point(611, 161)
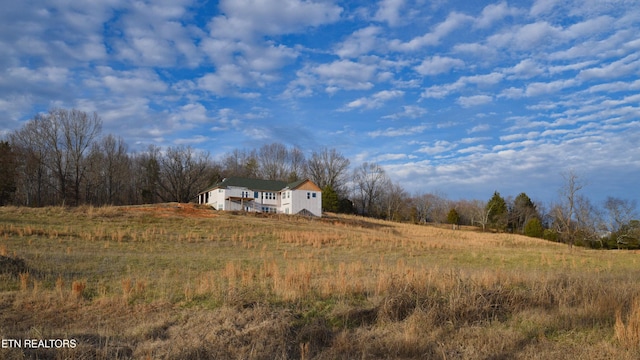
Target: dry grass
point(178, 281)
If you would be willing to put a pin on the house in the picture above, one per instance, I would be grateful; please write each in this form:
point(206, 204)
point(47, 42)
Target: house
point(268, 196)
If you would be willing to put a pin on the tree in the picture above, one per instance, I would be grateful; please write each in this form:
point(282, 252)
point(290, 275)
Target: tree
point(79, 130)
point(8, 175)
point(497, 212)
point(330, 200)
point(522, 211)
point(564, 213)
point(534, 228)
point(481, 213)
point(58, 141)
point(453, 218)
point(328, 167)
point(370, 180)
point(35, 178)
point(109, 172)
point(273, 160)
point(298, 165)
point(394, 202)
point(240, 163)
point(183, 173)
point(619, 214)
point(148, 175)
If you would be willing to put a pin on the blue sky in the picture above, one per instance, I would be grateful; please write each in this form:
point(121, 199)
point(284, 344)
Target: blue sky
point(460, 97)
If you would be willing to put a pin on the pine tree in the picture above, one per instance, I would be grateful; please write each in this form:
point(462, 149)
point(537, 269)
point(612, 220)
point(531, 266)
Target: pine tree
point(497, 210)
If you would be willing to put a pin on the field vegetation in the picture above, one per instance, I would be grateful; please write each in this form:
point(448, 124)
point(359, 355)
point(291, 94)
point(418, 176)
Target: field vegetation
point(178, 281)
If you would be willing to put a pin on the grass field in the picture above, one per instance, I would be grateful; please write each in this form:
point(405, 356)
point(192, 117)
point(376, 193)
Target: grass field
point(178, 281)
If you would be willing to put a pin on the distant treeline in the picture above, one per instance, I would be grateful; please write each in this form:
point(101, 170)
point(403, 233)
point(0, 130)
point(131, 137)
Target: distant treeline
point(62, 158)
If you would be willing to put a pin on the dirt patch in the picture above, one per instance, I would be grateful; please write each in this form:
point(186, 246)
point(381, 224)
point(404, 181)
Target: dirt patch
point(13, 266)
point(173, 210)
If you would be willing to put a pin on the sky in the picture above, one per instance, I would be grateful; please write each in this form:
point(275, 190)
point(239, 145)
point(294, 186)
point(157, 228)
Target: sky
point(462, 98)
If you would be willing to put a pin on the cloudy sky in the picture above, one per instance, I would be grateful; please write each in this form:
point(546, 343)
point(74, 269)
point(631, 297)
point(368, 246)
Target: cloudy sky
point(460, 97)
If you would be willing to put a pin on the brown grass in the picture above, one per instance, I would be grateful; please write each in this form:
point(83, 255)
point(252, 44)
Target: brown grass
point(180, 281)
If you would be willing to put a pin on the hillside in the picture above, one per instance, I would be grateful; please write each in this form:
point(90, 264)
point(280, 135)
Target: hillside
point(181, 281)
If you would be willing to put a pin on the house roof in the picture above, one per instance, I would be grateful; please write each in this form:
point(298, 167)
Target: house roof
point(255, 184)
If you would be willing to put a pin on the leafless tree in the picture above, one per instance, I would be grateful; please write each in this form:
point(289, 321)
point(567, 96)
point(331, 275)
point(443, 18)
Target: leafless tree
point(59, 141)
point(273, 160)
point(183, 173)
point(108, 178)
point(564, 213)
point(298, 165)
point(240, 163)
point(394, 202)
point(328, 167)
point(370, 180)
point(619, 213)
point(481, 213)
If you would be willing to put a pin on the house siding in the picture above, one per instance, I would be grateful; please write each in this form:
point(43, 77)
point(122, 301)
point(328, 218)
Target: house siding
point(287, 199)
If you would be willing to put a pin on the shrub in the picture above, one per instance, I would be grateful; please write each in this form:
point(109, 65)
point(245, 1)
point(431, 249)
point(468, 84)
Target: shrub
point(534, 228)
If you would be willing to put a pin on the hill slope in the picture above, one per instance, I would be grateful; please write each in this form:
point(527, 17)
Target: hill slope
point(182, 281)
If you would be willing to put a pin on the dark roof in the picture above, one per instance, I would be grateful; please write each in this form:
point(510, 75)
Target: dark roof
point(255, 184)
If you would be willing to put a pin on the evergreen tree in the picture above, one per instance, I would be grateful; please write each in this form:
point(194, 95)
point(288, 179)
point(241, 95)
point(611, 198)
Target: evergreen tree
point(534, 228)
point(453, 217)
point(8, 164)
point(497, 210)
point(522, 212)
point(330, 200)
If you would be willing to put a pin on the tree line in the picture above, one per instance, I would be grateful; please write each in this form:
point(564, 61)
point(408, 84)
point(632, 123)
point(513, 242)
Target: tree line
point(62, 158)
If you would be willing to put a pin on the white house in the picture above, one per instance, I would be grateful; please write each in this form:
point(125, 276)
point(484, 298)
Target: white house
point(236, 193)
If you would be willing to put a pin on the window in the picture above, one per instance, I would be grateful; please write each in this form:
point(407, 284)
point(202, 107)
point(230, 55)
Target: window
point(314, 194)
point(308, 195)
point(255, 195)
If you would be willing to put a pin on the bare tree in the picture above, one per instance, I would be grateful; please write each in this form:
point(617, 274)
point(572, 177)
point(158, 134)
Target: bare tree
point(58, 141)
point(109, 172)
point(564, 213)
point(273, 160)
point(329, 168)
point(481, 213)
point(369, 180)
point(619, 214)
point(394, 202)
point(298, 164)
point(183, 173)
point(79, 131)
point(147, 175)
point(34, 185)
point(240, 163)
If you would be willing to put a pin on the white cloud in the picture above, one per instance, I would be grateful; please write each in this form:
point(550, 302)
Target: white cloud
point(626, 66)
point(375, 101)
point(475, 100)
point(541, 88)
point(360, 42)
point(479, 128)
point(408, 111)
point(543, 6)
point(394, 132)
point(389, 11)
point(525, 69)
point(440, 146)
point(437, 65)
point(451, 23)
point(139, 81)
point(345, 74)
point(245, 19)
point(492, 13)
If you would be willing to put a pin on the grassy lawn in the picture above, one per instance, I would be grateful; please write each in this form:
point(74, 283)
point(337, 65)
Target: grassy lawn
point(180, 281)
